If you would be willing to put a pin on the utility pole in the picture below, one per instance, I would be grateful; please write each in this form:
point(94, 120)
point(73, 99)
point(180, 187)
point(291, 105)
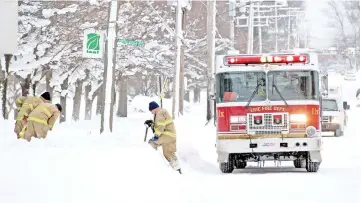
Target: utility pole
point(176, 80)
point(276, 28)
point(306, 36)
point(232, 14)
point(289, 30)
point(298, 31)
point(259, 28)
point(250, 28)
point(211, 33)
point(110, 58)
point(181, 75)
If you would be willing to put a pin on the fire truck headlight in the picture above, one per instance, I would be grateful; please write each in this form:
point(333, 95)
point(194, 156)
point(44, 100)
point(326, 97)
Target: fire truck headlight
point(298, 118)
point(237, 119)
point(311, 131)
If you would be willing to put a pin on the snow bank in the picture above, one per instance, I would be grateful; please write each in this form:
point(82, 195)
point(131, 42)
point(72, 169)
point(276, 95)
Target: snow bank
point(62, 170)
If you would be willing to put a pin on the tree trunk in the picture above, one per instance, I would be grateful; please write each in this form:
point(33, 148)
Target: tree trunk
point(197, 94)
point(186, 96)
point(88, 102)
point(34, 88)
point(122, 98)
point(25, 85)
point(63, 98)
point(100, 99)
point(48, 77)
point(4, 98)
point(63, 105)
point(5, 86)
point(14, 86)
point(77, 99)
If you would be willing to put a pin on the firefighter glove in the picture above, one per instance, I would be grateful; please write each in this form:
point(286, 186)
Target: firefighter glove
point(148, 123)
point(154, 139)
point(152, 142)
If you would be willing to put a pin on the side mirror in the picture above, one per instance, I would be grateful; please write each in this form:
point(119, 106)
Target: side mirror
point(345, 106)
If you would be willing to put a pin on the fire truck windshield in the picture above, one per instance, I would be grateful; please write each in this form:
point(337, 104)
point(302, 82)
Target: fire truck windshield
point(239, 86)
point(291, 85)
point(294, 85)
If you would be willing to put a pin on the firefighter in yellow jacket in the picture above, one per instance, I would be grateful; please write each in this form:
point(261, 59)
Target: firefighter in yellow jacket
point(25, 106)
point(164, 134)
point(41, 120)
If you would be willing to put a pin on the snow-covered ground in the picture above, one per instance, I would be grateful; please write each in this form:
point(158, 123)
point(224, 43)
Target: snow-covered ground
point(75, 164)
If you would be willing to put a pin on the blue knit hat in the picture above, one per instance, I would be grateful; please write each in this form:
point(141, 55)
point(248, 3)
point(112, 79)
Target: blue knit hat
point(153, 105)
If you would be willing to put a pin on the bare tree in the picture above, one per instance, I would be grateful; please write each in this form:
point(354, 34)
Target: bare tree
point(122, 97)
point(344, 17)
point(5, 85)
point(63, 96)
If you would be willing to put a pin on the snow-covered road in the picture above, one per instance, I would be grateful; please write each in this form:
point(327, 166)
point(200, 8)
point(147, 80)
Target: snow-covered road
point(75, 165)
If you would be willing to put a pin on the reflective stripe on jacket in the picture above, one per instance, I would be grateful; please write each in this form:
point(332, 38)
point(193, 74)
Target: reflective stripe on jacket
point(19, 102)
point(45, 113)
point(163, 124)
point(28, 105)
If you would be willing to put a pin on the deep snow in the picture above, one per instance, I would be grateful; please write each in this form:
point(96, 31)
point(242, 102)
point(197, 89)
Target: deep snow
point(76, 164)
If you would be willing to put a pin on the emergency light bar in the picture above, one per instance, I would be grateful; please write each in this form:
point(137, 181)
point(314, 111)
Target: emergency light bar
point(234, 60)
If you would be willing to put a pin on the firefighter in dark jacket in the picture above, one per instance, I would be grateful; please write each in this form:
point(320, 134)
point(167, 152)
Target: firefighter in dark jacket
point(164, 134)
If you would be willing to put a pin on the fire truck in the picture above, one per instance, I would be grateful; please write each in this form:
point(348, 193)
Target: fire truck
point(268, 109)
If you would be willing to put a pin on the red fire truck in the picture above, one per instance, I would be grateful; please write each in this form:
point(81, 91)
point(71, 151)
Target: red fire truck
point(268, 108)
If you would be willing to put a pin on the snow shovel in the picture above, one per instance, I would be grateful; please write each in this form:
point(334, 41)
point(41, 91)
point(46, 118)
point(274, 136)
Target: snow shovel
point(146, 133)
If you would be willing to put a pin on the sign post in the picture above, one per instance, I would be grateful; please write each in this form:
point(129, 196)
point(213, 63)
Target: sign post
point(161, 87)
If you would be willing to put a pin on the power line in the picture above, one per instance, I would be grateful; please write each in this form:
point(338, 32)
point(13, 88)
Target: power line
point(247, 4)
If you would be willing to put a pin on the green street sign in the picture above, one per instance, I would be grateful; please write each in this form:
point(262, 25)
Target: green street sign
point(93, 42)
point(130, 42)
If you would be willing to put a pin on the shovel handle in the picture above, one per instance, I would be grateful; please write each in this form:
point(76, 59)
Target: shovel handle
point(146, 133)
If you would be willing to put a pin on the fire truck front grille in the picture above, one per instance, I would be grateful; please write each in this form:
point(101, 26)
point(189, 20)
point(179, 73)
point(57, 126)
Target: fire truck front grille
point(267, 126)
point(326, 119)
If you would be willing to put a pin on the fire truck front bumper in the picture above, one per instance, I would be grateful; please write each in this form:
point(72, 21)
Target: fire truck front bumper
point(331, 129)
point(266, 145)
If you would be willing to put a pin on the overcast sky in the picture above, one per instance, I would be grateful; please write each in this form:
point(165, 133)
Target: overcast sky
point(317, 24)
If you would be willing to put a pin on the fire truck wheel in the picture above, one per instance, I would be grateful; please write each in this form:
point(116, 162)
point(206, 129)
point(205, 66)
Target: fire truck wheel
point(226, 167)
point(312, 166)
point(299, 163)
point(339, 133)
point(241, 164)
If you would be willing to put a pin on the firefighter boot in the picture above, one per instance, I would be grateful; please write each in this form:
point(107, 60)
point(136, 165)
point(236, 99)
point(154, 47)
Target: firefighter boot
point(175, 165)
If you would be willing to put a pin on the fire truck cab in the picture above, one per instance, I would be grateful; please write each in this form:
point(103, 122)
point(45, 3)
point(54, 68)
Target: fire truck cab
point(268, 108)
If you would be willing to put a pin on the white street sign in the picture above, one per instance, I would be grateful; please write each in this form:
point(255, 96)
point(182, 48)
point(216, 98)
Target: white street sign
point(9, 27)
